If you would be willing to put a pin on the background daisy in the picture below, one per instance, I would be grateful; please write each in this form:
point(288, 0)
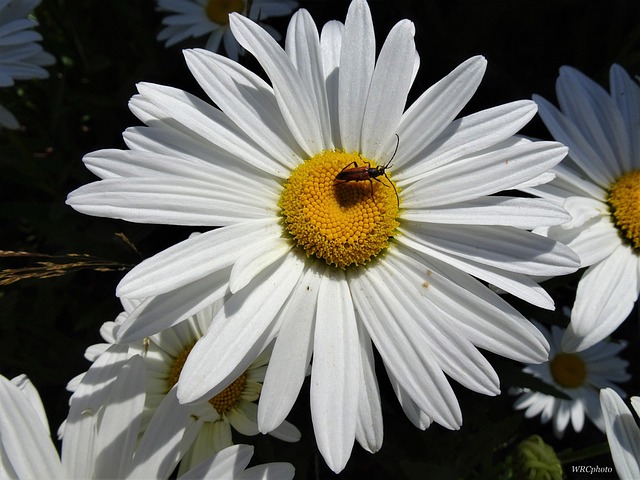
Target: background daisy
point(21, 56)
point(580, 376)
point(197, 18)
point(233, 409)
point(164, 354)
point(599, 184)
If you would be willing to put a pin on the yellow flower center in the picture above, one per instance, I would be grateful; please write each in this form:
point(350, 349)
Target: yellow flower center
point(222, 402)
point(176, 368)
point(340, 221)
point(624, 201)
point(218, 10)
point(568, 370)
point(227, 399)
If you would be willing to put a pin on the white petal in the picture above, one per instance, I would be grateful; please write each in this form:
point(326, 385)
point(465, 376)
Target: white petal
point(484, 174)
point(193, 258)
point(26, 444)
point(291, 354)
point(537, 181)
point(248, 100)
point(388, 91)
point(369, 431)
point(626, 94)
point(569, 182)
point(239, 332)
point(331, 44)
point(357, 60)
point(483, 316)
point(594, 113)
point(226, 464)
point(419, 419)
point(256, 258)
point(79, 449)
point(493, 210)
point(623, 434)
point(295, 101)
point(455, 354)
point(164, 311)
point(413, 366)
point(428, 116)
point(522, 286)
point(192, 151)
point(303, 47)
point(606, 295)
point(169, 201)
point(33, 397)
point(467, 135)
point(510, 249)
point(565, 131)
point(593, 241)
point(286, 432)
point(199, 118)
point(583, 209)
point(119, 426)
point(165, 440)
point(335, 372)
point(243, 418)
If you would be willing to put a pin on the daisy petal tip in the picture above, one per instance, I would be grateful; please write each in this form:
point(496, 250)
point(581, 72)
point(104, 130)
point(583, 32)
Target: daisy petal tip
point(478, 62)
point(186, 394)
point(408, 25)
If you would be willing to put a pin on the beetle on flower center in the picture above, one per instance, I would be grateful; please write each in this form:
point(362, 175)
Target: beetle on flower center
point(357, 173)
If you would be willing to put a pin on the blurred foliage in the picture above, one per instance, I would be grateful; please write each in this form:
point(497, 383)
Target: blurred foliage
point(103, 48)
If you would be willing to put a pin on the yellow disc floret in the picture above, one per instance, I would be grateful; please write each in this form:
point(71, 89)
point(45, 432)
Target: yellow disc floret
point(176, 366)
point(624, 201)
point(342, 222)
point(227, 399)
point(218, 10)
point(568, 370)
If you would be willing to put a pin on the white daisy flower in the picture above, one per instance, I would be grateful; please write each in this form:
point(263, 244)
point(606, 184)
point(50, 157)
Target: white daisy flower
point(101, 438)
point(235, 408)
point(327, 267)
point(623, 433)
point(196, 18)
point(21, 57)
point(580, 376)
point(164, 354)
point(599, 184)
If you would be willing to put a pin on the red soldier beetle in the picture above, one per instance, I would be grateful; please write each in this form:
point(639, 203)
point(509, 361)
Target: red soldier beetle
point(354, 173)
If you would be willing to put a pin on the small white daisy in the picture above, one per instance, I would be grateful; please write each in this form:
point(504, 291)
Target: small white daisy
point(580, 376)
point(326, 267)
point(235, 408)
point(599, 184)
point(623, 433)
point(196, 18)
point(21, 57)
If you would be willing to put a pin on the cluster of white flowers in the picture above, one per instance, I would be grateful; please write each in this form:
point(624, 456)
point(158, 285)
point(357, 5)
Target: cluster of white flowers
point(342, 221)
